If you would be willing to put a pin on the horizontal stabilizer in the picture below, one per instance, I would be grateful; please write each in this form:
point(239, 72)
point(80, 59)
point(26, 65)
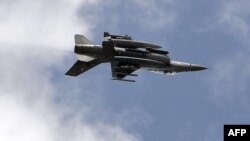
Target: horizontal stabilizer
point(80, 67)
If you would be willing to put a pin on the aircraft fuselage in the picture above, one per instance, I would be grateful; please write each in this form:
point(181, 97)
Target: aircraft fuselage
point(148, 60)
point(125, 56)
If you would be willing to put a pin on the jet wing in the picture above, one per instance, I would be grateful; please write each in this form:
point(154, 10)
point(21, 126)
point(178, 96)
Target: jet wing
point(134, 44)
point(121, 70)
point(80, 67)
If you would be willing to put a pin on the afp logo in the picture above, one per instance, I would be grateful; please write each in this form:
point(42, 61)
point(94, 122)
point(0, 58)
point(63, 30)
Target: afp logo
point(236, 132)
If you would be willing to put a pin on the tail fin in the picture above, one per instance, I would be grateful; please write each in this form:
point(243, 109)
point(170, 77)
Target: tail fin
point(80, 39)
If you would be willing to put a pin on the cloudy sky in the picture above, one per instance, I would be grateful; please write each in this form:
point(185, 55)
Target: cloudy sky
point(38, 102)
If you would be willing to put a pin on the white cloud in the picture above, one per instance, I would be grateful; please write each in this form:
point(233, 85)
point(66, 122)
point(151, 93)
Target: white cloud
point(36, 22)
point(28, 88)
point(147, 15)
point(136, 117)
point(234, 18)
point(230, 74)
point(20, 122)
point(29, 110)
point(155, 14)
point(229, 80)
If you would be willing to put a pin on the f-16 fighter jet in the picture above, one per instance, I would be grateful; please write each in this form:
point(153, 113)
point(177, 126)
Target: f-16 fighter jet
point(125, 56)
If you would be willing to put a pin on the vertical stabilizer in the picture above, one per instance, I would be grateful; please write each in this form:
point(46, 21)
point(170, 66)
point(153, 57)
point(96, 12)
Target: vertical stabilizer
point(80, 39)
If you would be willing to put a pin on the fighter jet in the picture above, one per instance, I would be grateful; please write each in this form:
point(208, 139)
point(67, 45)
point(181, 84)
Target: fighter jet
point(125, 56)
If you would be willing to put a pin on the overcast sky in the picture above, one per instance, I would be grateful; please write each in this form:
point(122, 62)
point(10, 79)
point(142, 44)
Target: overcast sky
point(38, 102)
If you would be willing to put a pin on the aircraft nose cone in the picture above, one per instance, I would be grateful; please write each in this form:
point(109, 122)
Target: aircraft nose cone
point(195, 67)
